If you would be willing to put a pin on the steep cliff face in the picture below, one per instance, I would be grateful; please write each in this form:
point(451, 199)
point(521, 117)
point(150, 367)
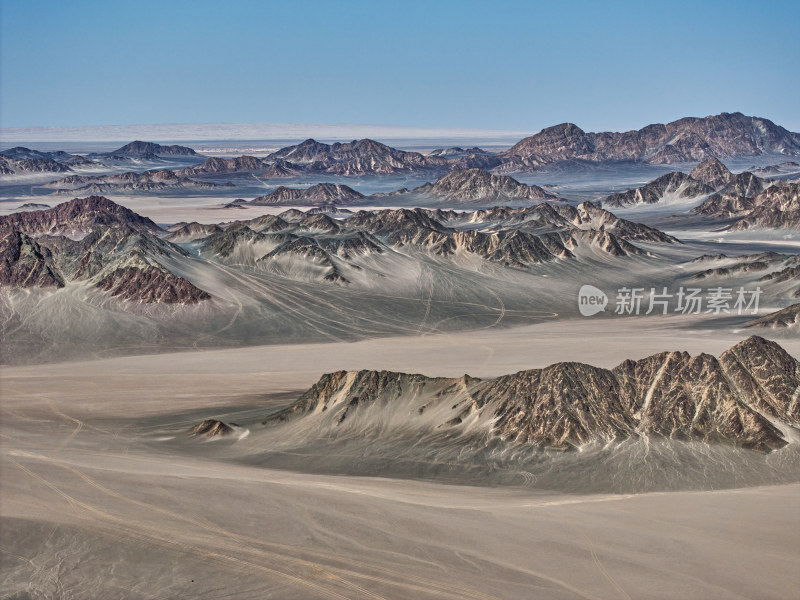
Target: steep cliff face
point(730, 400)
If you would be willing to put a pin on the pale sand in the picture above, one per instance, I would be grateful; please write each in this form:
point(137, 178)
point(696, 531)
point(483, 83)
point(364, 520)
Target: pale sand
point(90, 509)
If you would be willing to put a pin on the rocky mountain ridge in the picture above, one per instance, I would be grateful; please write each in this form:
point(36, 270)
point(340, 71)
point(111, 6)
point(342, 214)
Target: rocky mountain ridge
point(743, 398)
point(675, 184)
point(318, 194)
point(139, 148)
point(147, 181)
point(93, 239)
point(685, 140)
point(721, 194)
point(479, 185)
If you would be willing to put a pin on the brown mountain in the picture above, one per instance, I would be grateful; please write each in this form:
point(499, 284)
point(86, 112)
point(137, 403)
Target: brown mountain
point(712, 173)
point(93, 239)
point(318, 194)
point(728, 400)
point(358, 157)
point(677, 184)
point(686, 140)
point(138, 149)
point(477, 185)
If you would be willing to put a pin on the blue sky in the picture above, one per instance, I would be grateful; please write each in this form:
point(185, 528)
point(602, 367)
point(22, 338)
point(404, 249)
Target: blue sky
point(502, 65)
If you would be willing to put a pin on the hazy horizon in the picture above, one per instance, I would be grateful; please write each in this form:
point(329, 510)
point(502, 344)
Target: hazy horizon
point(326, 132)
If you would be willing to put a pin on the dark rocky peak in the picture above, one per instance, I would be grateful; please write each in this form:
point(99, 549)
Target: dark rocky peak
point(329, 209)
point(212, 428)
point(24, 263)
point(744, 184)
point(33, 206)
point(685, 140)
point(239, 164)
point(675, 184)
point(23, 153)
point(392, 220)
point(191, 232)
point(139, 149)
point(306, 151)
point(292, 215)
point(588, 215)
point(280, 195)
point(76, 215)
point(480, 185)
point(330, 193)
point(768, 377)
point(458, 152)
point(785, 318)
point(319, 222)
point(559, 142)
point(778, 207)
point(282, 168)
point(354, 158)
point(150, 284)
point(320, 193)
point(268, 223)
point(712, 172)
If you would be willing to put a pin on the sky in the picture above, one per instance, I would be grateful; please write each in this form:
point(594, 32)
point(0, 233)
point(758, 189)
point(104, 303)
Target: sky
point(503, 65)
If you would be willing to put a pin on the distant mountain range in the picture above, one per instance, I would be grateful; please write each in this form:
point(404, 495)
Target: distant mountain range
point(686, 140)
point(468, 186)
point(21, 160)
point(93, 239)
point(148, 181)
point(745, 198)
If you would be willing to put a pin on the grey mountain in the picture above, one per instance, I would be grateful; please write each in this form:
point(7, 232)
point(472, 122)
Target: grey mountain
point(777, 207)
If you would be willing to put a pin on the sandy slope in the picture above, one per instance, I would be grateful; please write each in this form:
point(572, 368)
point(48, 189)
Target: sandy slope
point(115, 521)
point(91, 507)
